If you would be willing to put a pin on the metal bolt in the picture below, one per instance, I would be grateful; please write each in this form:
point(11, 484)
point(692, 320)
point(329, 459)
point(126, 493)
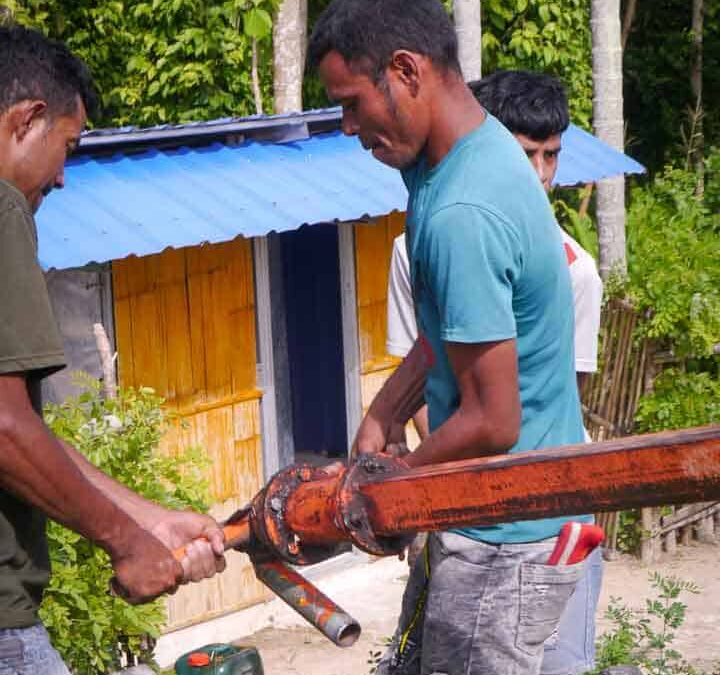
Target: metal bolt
point(304, 474)
point(373, 466)
point(276, 504)
point(293, 545)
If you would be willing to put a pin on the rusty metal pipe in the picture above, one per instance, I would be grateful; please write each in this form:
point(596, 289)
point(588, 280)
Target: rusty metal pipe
point(654, 469)
point(312, 510)
point(309, 602)
point(303, 511)
point(237, 531)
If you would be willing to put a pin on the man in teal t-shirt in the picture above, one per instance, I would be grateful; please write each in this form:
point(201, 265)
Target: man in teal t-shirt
point(494, 306)
point(487, 265)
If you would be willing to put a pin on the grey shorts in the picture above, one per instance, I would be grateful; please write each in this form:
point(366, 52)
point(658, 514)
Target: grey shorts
point(485, 609)
point(27, 651)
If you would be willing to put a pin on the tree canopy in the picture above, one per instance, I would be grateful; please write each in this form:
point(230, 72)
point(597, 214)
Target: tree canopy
point(160, 61)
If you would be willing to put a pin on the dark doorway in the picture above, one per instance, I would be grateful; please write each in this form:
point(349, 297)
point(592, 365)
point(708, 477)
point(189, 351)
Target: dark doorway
point(311, 276)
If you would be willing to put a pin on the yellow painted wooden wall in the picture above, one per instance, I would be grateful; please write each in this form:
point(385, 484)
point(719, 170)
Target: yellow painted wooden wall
point(185, 326)
point(373, 249)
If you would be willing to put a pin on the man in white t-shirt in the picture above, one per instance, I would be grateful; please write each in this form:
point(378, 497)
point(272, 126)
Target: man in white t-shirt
point(534, 107)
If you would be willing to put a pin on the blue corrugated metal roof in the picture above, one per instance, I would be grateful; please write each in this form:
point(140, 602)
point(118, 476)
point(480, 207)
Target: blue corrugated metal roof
point(586, 159)
point(142, 203)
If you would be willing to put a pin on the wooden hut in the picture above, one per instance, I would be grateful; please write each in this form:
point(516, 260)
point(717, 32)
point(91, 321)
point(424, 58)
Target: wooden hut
point(265, 335)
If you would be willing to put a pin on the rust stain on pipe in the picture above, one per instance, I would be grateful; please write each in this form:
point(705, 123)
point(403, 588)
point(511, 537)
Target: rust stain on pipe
point(309, 602)
point(312, 511)
point(654, 469)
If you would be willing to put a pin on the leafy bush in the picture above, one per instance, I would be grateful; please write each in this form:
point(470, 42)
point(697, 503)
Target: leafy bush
point(579, 226)
point(120, 437)
point(629, 531)
point(680, 400)
point(674, 261)
point(644, 638)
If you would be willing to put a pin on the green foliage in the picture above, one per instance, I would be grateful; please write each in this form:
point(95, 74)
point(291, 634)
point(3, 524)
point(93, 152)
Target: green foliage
point(629, 531)
point(545, 36)
point(680, 400)
point(645, 638)
point(578, 225)
point(657, 60)
point(158, 61)
point(121, 438)
point(528, 34)
point(712, 185)
point(674, 261)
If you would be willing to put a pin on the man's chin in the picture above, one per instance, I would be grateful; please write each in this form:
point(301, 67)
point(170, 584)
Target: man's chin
point(391, 160)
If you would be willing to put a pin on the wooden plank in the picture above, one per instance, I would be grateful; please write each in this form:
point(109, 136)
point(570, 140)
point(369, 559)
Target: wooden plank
point(681, 514)
point(123, 323)
point(266, 359)
point(689, 518)
point(180, 391)
point(199, 336)
point(351, 346)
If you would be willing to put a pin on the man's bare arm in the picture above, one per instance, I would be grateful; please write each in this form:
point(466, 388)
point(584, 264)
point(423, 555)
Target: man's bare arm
point(487, 421)
point(400, 398)
point(203, 557)
point(36, 467)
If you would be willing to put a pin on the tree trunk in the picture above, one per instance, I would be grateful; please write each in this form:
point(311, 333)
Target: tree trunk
point(468, 27)
point(608, 120)
point(696, 140)
point(289, 47)
point(255, 76)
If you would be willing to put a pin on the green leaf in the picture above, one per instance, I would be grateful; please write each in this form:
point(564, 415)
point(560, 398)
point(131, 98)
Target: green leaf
point(257, 23)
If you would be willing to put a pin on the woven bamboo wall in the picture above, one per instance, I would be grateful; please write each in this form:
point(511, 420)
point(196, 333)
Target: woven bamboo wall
point(185, 326)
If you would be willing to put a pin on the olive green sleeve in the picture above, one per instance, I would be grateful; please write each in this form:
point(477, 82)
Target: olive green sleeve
point(29, 337)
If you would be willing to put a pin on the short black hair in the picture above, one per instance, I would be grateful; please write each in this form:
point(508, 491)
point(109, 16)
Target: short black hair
point(366, 33)
point(33, 67)
point(528, 103)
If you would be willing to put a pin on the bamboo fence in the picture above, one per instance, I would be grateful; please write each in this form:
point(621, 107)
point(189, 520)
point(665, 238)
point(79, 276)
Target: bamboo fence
point(627, 369)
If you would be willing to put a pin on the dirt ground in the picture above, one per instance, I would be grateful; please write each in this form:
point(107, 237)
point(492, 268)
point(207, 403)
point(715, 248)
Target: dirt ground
point(372, 593)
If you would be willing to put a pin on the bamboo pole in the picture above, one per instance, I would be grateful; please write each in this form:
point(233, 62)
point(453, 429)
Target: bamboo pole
point(107, 361)
point(647, 543)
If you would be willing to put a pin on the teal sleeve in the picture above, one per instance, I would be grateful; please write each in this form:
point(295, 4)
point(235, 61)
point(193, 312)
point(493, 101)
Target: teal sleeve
point(473, 258)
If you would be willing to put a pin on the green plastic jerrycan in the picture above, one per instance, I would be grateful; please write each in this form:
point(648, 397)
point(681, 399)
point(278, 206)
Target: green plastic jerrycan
point(220, 659)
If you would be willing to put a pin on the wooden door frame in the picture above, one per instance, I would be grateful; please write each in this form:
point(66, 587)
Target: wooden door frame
point(351, 341)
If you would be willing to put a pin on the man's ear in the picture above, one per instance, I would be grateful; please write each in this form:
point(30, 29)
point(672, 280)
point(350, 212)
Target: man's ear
point(407, 69)
point(24, 115)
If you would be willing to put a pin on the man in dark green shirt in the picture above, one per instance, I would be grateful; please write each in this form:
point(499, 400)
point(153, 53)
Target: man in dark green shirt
point(45, 95)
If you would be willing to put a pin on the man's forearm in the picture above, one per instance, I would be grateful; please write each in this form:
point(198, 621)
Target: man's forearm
point(421, 421)
point(487, 421)
point(35, 467)
point(137, 507)
point(462, 436)
point(403, 393)
point(396, 402)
